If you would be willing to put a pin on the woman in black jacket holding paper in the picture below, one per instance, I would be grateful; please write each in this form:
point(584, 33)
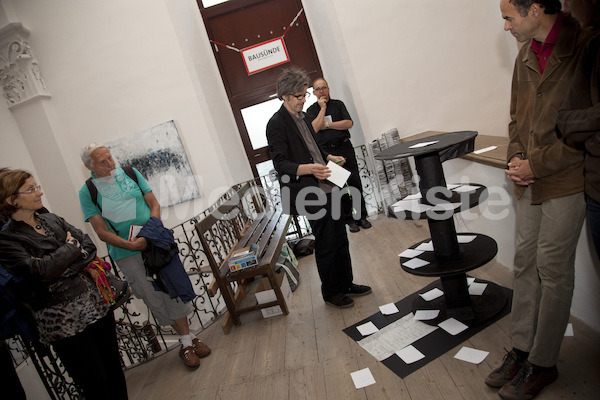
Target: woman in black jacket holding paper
point(53, 256)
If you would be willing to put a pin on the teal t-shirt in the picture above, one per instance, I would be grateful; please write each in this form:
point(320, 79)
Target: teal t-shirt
point(122, 202)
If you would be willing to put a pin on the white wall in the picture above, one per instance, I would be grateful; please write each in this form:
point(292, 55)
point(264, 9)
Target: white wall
point(417, 65)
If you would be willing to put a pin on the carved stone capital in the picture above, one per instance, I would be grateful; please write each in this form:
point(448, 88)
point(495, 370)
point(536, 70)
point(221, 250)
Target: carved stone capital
point(20, 75)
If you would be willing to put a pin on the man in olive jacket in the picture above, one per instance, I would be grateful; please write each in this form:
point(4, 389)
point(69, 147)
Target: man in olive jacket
point(548, 183)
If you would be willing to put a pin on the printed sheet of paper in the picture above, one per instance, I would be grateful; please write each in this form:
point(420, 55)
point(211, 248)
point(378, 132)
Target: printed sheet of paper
point(415, 196)
point(485, 149)
point(453, 326)
point(477, 288)
point(367, 329)
point(415, 263)
point(471, 355)
point(426, 315)
point(362, 378)
point(388, 309)
point(465, 238)
point(410, 354)
point(432, 294)
point(339, 175)
point(411, 205)
point(395, 336)
point(409, 253)
point(466, 189)
point(423, 144)
point(425, 246)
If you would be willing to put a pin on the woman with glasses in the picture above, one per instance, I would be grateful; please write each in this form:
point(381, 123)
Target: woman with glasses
point(305, 190)
point(52, 257)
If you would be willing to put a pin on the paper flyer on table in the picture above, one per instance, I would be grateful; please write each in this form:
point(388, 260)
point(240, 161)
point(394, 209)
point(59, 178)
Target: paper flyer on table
point(339, 175)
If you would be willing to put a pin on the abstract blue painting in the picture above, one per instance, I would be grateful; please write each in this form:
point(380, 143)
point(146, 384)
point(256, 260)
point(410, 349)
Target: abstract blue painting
point(158, 154)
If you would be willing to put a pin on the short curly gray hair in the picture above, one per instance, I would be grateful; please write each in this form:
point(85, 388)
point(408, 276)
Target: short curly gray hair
point(291, 80)
point(87, 151)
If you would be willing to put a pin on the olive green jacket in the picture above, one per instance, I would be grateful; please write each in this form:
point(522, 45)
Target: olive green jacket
point(535, 101)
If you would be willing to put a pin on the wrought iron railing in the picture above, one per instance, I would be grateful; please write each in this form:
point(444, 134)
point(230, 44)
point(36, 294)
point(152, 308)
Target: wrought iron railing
point(140, 337)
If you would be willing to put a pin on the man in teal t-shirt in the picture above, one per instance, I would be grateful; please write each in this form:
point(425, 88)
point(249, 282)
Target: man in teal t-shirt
point(124, 204)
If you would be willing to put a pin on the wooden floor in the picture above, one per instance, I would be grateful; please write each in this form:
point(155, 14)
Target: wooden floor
point(305, 355)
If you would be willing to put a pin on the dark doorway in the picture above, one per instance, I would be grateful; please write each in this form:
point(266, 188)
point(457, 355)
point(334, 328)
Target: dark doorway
point(238, 24)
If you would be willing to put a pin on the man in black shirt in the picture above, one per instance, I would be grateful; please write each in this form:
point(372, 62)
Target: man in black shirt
point(331, 122)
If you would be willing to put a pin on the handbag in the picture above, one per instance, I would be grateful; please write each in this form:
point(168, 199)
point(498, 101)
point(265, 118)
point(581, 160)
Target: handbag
point(113, 289)
point(120, 288)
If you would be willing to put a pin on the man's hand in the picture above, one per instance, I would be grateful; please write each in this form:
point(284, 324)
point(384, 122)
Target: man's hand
point(322, 102)
point(320, 172)
point(339, 160)
point(519, 171)
point(138, 244)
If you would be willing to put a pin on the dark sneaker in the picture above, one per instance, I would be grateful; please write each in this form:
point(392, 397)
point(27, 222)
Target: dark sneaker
point(506, 372)
point(340, 301)
point(353, 227)
point(363, 223)
point(530, 381)
point(358, 290)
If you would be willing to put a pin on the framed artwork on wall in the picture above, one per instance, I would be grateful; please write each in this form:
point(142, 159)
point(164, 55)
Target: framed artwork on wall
point(158, 154)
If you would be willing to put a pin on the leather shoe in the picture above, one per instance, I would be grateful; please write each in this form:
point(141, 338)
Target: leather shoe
point(530, 380)
point(357, 290)
point(363, 223)
point(353, 227)
point(340, 300)
point(200, 348)
point(190, 359)
point(506, 372)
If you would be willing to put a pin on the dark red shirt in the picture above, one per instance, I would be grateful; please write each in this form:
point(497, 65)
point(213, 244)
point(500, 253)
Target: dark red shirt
point(544, 50)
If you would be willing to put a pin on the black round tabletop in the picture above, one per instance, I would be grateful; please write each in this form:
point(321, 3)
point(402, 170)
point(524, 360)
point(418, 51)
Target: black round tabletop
point(412, 148)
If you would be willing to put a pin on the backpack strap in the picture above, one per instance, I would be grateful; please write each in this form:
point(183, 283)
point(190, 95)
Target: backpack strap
point(128, 169)
point(94, 191)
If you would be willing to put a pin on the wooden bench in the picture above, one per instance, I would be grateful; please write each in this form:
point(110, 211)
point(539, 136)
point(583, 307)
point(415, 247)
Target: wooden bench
point(268, 230)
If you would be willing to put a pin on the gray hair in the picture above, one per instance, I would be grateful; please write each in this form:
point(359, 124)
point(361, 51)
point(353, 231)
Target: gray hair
point(87, 151)
point(291, 80)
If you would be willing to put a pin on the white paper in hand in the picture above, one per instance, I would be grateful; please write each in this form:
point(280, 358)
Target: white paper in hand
point(339, 175)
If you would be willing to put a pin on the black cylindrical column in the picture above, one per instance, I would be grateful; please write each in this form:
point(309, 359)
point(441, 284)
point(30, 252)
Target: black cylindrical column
point(443, 232)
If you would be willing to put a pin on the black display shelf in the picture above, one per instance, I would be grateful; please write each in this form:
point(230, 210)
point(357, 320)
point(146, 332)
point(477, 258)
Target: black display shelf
point(449, 259)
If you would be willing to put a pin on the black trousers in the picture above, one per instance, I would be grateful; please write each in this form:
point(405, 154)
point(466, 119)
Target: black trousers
point(92, 359)
point(11, 385)
point(332, 253)
point(347, 151)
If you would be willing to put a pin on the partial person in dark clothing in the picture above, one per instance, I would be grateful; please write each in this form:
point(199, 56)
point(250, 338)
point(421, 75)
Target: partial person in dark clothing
point(302, 173)
point(578, 121)
point(11, 384)
point(71, 314)
point(331, 122)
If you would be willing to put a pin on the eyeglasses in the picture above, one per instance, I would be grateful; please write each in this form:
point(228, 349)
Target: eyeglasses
point(31, 190)
point(302, 96)
point(320, 89)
